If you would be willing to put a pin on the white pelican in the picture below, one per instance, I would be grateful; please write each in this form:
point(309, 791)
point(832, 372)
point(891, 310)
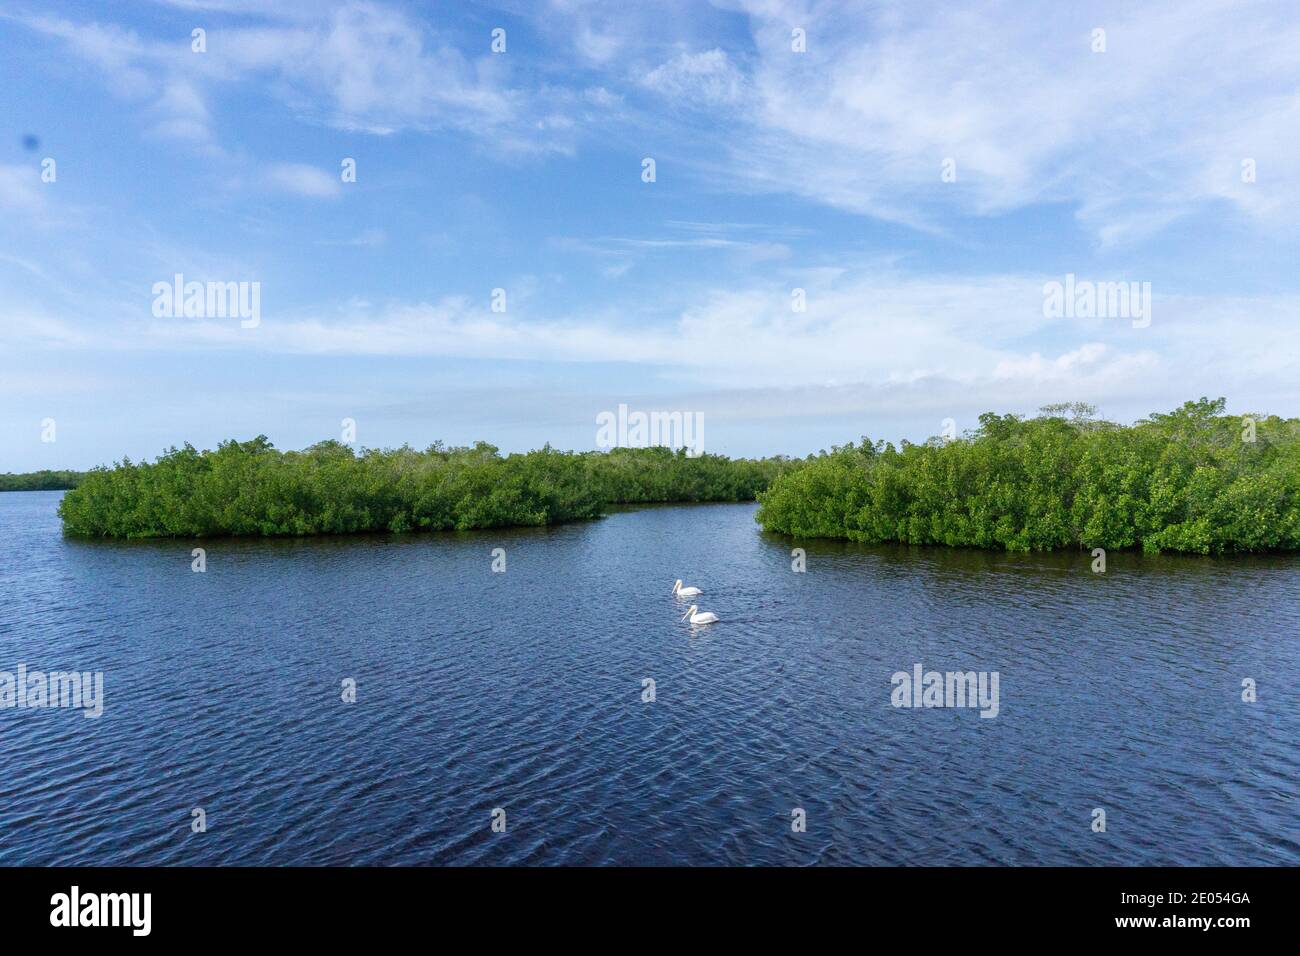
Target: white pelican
point(693, 612)
point(685, 592)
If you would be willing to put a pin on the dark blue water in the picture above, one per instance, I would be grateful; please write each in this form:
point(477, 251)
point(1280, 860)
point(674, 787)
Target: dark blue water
point(523, 691)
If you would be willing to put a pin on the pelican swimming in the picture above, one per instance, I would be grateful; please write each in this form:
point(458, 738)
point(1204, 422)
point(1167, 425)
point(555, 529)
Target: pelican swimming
point(685, 592)
point(693, 612)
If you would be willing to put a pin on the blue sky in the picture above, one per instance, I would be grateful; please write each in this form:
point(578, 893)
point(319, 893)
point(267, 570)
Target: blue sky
point(775, 170)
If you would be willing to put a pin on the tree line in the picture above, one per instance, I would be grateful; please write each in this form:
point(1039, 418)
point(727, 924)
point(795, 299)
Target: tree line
point(1193, 480)
point(251, 488)
point(40, 481)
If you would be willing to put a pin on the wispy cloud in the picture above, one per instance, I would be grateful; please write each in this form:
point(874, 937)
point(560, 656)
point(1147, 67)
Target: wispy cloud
point(354, 65)
point(303, 180)
point(863, 327)
point(1135, 137)
point(20, 188)
point(706, 79)
point(25, 264)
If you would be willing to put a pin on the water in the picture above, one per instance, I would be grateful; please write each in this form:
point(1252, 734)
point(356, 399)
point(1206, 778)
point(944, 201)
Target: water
point(523, 691)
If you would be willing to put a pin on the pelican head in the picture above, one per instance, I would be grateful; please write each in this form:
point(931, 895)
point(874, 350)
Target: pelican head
point(690, 610)
point(677, 586)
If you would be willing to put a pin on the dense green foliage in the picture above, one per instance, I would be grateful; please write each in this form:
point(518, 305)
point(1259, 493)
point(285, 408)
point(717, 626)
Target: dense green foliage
point(1192, 480)
point(640, 475)
point(250, 488)
point(40, 481)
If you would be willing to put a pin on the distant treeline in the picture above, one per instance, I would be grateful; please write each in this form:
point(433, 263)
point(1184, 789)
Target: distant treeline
point(40, 481)
point(251, 488)
point(1193, 480)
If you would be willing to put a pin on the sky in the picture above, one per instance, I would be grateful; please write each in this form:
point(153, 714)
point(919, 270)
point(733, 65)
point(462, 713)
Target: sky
point(855, 211)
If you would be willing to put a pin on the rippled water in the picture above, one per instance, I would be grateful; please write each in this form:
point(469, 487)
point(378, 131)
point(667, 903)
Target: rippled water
point(523, 691)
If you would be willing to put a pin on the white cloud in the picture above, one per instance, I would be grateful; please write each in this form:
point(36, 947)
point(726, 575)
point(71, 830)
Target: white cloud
point(873, 342)
point(1134, 138)
point(20, 188)
point(374, 69)
point(1144, 131)
point(303, 180)
point(183, 114)
point(1092, 360)
point(697, 79)
point(281, 9)
point(621, 247)
point(25, 327)
point(352, 65)
point(119, 53)
point(25, 264)
point(881, 330)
